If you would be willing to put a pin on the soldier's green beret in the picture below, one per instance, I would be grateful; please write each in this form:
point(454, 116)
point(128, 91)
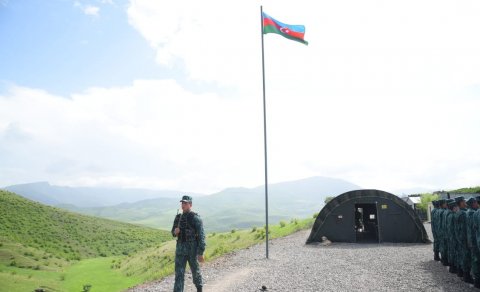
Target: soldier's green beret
point(470, 201)
point(186, 199)
point(459, 199)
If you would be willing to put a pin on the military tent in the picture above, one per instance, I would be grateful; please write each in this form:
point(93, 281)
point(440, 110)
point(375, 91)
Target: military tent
point(368, 216)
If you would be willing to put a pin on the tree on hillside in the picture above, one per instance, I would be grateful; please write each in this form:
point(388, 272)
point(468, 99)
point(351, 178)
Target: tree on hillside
point(328, 199)
point(425, 199)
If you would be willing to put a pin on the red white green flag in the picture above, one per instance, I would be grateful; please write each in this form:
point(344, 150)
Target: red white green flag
point(293, 32)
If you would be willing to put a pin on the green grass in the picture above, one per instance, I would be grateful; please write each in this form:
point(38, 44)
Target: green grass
point(39, 245)
point(68, 235)
point(46, 247)
point(99, 274)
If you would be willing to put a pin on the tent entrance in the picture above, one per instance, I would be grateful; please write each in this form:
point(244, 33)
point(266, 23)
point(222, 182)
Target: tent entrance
point(366, 223)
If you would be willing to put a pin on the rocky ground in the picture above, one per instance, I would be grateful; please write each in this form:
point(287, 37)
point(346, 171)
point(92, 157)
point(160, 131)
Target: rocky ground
point(294, 266)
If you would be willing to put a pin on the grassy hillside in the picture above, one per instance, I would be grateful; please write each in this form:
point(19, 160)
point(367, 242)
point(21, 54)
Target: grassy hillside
point(39, 245)
point(69, 235)
point(45, 247)
point(470, 190)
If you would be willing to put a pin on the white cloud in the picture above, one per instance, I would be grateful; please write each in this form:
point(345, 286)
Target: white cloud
point(385, 95)
point(91, 10)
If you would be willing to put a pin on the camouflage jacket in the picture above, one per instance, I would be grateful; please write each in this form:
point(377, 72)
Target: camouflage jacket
point(191, 239)
point(471, 240)
point(460, 219)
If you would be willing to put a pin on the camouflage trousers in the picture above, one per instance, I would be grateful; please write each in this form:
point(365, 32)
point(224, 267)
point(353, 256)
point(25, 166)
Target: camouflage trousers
point(475, 262)
point(180, 266)
point(452, 252)
point(436, 244)
point(444, 249)
point(465, 260)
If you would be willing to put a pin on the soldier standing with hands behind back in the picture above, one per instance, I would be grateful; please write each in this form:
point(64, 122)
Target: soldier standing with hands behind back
point(188, 228)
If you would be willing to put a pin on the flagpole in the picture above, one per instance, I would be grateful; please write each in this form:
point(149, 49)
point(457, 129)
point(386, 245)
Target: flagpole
point(264, 136)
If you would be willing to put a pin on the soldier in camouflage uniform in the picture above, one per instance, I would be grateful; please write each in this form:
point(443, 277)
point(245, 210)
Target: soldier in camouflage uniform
point(434, 225)
point(188, 228)
point(463, 255)
point(476, 247)
point(439, 225)
point(443, 232)
point(450, 234)
point(471, 242)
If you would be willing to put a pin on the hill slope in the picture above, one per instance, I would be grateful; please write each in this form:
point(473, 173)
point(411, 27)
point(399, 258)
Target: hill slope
point(68, 235)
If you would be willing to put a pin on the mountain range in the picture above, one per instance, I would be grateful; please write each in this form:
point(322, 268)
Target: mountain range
point(232, 208)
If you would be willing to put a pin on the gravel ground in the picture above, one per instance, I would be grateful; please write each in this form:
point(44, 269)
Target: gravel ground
point(294, 266)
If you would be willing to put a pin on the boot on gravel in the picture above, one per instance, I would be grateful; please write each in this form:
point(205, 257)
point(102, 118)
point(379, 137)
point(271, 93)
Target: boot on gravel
point(468, 278)
point(460, 272)
point(452, 269)
point(476, 284)
point(436, 256)
point(199, 288)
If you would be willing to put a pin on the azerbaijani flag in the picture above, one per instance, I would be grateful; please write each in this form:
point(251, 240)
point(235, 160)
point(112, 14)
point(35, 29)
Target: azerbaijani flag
point(293, 32)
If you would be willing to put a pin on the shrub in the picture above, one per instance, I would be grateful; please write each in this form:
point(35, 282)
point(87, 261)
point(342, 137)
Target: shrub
point(282, 224)
point(233, 231)
point(254, 228)
point(87, 287)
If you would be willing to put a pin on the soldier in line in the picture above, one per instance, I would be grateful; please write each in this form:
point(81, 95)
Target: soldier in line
point(434, 225)
point(476, 249)
point(450, 234)
point(188, 228)
point(443, 235)
point(472, 204)
point(463, 254)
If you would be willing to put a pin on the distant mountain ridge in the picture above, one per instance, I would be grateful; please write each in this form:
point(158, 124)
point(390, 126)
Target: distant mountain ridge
point(231, 208)
point(52, 195)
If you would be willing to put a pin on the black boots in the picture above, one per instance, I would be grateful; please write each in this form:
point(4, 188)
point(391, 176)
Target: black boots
point(436, 256)
point(476, 284)
point(452, 269)
point(460, 272)
point(468, 278)
point(199, 288)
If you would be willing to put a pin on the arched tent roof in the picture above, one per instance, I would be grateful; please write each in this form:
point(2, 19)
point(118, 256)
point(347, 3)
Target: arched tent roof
point(395, 220)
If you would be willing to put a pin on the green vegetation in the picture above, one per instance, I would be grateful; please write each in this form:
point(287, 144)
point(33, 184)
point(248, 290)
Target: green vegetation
point(39, 244)
point(46, 247)
point(67, 235)
point(425, 199)
point(328, 199)
point(155, 263)
point(471, 190)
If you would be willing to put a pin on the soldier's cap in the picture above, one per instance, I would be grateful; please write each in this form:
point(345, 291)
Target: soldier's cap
point(435, 203)
point(470, 201)
point(459, 199)
point(441, 202)
point(451, 203)
point(186, 199)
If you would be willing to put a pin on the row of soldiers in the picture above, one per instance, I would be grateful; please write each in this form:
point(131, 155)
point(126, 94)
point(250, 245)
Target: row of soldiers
point(456, 236)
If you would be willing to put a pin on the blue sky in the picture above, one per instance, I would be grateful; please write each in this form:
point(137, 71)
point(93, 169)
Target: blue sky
point(56, 46)
point(168, 95)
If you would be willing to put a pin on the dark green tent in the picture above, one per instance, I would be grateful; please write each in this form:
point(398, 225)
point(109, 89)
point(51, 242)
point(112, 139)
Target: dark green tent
point(368, 216)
